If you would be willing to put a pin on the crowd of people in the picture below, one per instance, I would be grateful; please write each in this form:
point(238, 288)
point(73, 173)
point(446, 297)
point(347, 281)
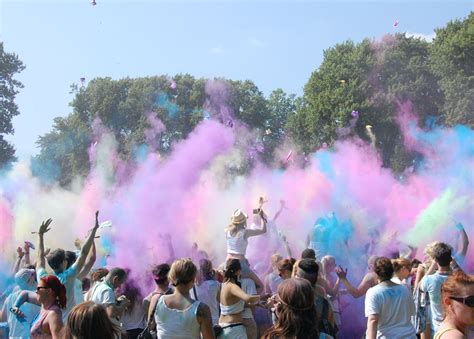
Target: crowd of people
point(62, 295)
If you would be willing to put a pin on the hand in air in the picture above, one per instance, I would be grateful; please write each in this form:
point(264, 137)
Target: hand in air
point(45, 226)
point(341, 273)
point(20, 252)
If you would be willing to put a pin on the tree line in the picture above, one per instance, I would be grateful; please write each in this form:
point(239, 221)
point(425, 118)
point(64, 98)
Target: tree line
point(370, 78)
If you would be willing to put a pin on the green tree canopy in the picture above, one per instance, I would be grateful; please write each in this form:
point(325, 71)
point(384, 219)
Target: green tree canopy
point(10, 65)
point(452, 60)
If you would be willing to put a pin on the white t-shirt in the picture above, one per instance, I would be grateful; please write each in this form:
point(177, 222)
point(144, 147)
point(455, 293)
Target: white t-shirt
point(273, 280)
point(403, 282)
point(394, 306)
point(207, 293)
point(432, 284)
point(78, 295)
point(103, 294)
point(68, 279)
point(20, 329)
point(248, 286)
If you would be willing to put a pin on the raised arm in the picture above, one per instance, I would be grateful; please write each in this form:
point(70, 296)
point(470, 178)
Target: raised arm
point(86, 247)
point(356, 292)
point(169, 244)
point(420, 273)
point(20, 255)
point(89, 263)
point(464, 242)
point(277, 214)
point(286, 246)
point(26, 249)
point(263, 230)
point(41, 261)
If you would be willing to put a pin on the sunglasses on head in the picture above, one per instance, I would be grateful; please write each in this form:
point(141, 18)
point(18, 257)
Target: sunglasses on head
point(41, 288)
point(468, 301)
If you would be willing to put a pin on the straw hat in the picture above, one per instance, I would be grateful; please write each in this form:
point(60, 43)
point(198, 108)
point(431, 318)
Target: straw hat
point(238, 217)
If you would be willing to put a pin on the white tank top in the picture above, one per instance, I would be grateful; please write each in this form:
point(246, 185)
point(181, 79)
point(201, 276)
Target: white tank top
point(173, 323)
point(237, 244)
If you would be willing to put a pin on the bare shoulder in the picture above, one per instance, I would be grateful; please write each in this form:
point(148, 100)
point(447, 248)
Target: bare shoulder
point(203, 311)
point(54, 317)
point(371, 278)
point(453, 334)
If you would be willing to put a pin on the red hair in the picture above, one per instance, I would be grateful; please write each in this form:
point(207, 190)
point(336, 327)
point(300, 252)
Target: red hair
point(454, 285)
point(59, 289)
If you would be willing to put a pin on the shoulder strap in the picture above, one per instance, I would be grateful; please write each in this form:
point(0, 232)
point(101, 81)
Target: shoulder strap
point(439, 334)
point(195, 292)
point(151, 315)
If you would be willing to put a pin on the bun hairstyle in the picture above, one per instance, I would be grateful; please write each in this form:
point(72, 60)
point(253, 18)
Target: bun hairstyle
point(286, 264)
point(58, 289)
point(182, 272)
point(230, 274)
point(160, 273)
point(400, 263)
point(98, 274)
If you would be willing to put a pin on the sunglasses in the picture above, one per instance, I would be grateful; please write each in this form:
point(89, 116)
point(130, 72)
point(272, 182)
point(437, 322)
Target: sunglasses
point(468, 301)
point(41, 288)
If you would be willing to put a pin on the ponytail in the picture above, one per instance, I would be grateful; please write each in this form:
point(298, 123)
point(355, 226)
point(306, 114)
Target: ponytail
point(230, 274)
point(58, 288)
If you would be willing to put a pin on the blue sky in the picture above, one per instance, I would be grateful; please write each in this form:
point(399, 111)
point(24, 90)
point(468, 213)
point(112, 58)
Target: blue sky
point(274, 43)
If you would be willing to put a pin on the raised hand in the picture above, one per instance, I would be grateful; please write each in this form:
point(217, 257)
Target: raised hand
point(20, 252)
point(341, 273)
point(45, 226)
point(96, 226)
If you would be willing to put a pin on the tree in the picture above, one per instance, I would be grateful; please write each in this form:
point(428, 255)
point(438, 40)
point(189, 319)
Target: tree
point(452, 60)
point(280, 107)
point(10, 65)
point(125, 106)
point(371, 77)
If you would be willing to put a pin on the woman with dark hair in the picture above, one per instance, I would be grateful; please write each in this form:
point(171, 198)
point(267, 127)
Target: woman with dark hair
point(295, 311)
point(133, 319)
point(51, 295)
point(388, 306)
point(458, 305)
point(89, 321)
point(232, 302)
point(207, 288)
point(160, 276)
point(178, 315)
